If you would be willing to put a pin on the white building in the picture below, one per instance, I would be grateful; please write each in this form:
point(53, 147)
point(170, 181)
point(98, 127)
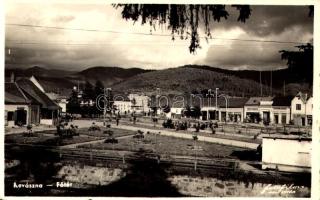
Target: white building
point(301, 109)
point(175, 113)
point(139, 103)
point(259, 109)
point(286, 154)
point(281, 110)
point(124, 107)
point(26, 103)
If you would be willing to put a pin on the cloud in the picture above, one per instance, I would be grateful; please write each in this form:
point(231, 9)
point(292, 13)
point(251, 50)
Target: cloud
point(255, 55)
point(269, 20)
point(77, 50)
point(61, 19)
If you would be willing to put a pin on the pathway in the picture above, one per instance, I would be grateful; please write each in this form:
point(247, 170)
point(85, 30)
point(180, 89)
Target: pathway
point(189, 136)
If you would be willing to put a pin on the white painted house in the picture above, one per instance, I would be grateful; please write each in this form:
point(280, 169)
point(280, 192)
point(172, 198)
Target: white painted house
point(301, 109)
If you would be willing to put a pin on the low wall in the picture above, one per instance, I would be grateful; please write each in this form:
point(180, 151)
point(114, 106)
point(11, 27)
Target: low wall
point(212, 187)
point(90, 175)
point(186, 185)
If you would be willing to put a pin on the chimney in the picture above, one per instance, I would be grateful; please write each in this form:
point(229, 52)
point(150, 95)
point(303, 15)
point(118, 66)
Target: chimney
point(12, 78)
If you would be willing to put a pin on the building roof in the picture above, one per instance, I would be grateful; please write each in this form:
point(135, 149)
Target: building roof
point(232, 102)
point(282, 101)
point(36, 94)
point(255, 101)
point(303, 96)
point(14, 95)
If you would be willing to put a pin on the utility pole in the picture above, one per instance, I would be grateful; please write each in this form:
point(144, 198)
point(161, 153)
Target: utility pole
point(216, 103)
point(260, 85)
point(209, 95)
point(78, 87)
point(104, 107)
point(284, 88)
point(271, 83)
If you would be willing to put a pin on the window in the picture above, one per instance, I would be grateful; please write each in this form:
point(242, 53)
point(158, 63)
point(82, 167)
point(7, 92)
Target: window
point(298, 106)
point(10, 116)
point(283, 119)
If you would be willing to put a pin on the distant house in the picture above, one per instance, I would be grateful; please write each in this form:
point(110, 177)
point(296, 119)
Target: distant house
point(281, 109)
point(301, 109)
point(139, 103)
point(123, 106)
point(259, 109)
point(49, 110)
point(20, 108)
point(209, 111)
point(176, 111)
point(228, 109)
point(234, 111)
point(61, 100)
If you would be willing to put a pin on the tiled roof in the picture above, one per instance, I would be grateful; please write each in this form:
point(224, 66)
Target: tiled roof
point(14, 95)
point(33, 92)
point(256, 100)
point(303, 96)
point(233, 102)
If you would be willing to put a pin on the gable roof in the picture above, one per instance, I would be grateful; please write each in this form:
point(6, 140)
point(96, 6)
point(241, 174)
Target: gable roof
point(14, 95)
point(255, 101)
point(36, 94)
point(303, 96)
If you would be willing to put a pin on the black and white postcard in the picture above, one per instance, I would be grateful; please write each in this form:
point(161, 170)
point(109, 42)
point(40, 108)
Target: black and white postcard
point(159, 100)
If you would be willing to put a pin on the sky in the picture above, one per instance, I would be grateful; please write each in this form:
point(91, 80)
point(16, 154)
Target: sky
point(114, 44)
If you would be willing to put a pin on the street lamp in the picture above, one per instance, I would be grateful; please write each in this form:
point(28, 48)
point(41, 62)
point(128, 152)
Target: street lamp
point(217, 103)
point(226, 99)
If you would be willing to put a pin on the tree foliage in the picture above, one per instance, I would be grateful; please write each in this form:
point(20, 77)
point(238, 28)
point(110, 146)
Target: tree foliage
point(98, 88)
point(300, 62)
point(183, 20)
point(73, 105)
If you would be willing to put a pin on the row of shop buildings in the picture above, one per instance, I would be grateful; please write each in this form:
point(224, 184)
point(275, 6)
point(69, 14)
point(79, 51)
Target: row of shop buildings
point(271, 110)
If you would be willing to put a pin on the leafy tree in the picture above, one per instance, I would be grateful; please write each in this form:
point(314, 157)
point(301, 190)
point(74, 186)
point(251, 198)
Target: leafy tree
point(88, 92)
point(73, 105)
point(300, 63)
point(98, 88)
point(187, 111)
point(182, 20)
point(195, 112)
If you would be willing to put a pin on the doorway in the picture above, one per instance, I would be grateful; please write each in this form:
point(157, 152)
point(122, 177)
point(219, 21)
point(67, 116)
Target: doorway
point(21, 117)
